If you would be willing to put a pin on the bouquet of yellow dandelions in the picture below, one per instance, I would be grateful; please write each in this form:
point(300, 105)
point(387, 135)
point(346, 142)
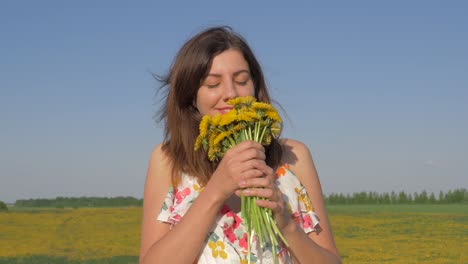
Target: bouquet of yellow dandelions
point(248, 120)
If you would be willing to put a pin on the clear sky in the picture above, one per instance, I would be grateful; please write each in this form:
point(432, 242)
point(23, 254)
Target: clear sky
point(378, 90)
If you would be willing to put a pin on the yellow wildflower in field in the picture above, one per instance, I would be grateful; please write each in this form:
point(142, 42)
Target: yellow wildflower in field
point(400, 237)
point(362, 235)
point(80, 234)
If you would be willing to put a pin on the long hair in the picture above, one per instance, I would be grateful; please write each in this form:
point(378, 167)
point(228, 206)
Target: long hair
point(180, 116)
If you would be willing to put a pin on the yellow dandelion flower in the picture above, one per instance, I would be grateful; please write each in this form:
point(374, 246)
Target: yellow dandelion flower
point(247, 116)
point(237, 128)
point(242, 100)
point(266, 140)
point(273, 115)
point(220, 137)
point(198, 142)
point(204, 125)
point(227, 118)
point(203, 131)
point(211, 154)
point(262, 106)
point(215, 120)
point(275, 130)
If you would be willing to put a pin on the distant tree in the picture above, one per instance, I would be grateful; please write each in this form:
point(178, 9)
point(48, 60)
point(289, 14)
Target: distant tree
point(416, 197)
point(77, 202)
point(386, 199)
point(457, 196)
point(3, 206)
point(393, 197)
point(441, 197)
point(423, 197)
point(410, 198)
point(452, 196)
point(402, 198)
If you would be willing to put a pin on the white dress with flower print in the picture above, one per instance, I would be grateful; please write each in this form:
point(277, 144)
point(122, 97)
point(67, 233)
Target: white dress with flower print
point(227, 243)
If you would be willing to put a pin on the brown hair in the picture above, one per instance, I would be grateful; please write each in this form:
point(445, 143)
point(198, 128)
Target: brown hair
point(181, 118)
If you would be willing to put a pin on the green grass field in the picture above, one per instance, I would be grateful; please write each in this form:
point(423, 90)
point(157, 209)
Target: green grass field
point(399, 208)
point(363, 234)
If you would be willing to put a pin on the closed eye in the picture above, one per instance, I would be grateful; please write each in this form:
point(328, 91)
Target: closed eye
point(212, 85)
point(242, 83)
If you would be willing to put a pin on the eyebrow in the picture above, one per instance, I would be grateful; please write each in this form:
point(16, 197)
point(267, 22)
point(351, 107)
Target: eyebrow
point(235, 74)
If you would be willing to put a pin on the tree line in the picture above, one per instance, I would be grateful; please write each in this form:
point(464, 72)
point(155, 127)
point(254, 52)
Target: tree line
point(75, 202)
point(450, 197)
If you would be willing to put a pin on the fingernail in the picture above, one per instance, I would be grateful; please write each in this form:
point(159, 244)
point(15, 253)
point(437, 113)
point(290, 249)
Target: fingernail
point(242, 183)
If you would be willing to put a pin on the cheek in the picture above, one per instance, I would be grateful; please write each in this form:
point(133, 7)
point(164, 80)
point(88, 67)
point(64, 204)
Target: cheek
point(205, 101)
point(248, 91)
point(200, 105)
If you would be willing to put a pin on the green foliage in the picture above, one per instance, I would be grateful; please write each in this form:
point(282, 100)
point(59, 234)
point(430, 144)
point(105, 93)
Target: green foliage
point(367, 209)
point(457, 196)
point(3, 206)
point(78, 202)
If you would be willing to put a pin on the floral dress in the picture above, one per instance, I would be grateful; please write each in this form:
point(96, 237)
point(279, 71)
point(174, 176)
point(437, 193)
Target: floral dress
point(227, 242)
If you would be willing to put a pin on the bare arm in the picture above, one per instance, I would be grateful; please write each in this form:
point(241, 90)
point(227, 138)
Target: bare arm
point(316, 247)
point(161, 245)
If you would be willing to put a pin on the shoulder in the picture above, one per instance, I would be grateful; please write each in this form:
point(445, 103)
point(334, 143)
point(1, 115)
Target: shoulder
point(299, 159)
point(159, 155)
point(159, 167)
point(292, 146)
point(295, 153)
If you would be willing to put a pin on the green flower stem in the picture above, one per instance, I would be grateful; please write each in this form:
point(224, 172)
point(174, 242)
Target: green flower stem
point(259, 221)
point(232, 141)
point(263, 133)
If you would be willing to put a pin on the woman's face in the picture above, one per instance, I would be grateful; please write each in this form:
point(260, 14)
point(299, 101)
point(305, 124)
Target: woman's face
point(229, 77)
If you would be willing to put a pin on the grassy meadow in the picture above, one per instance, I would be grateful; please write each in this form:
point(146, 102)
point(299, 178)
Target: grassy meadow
point(363, 234)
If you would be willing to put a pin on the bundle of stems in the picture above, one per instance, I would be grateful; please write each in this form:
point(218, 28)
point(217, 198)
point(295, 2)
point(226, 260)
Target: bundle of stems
point(248, 120)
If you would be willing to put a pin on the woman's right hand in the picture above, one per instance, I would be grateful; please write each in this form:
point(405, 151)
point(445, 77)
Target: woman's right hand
point(245, 160)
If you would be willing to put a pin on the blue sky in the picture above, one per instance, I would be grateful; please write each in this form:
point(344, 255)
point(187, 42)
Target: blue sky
point(377, 90)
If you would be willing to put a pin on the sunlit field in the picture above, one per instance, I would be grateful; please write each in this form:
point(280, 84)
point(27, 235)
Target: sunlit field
point(401, 233)
point(363, 234)
point(76, 234)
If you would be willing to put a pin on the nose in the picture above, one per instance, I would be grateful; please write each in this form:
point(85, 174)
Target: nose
point(230, 90)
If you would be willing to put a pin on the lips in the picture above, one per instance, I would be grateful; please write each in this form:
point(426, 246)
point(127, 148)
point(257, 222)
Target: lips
point(224, 110)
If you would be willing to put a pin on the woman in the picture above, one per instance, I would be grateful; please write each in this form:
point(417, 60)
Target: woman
point(191, 211)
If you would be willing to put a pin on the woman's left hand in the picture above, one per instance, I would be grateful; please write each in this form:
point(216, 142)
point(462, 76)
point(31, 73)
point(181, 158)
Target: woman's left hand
point(266, 187)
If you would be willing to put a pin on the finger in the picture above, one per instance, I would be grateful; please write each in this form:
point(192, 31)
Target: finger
point(249, 174)
point(245, 155)
point(274, 206)
point(259, 192)
point(246, 145)
point(268, 171)
point(256, 182)
point(253, 164)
